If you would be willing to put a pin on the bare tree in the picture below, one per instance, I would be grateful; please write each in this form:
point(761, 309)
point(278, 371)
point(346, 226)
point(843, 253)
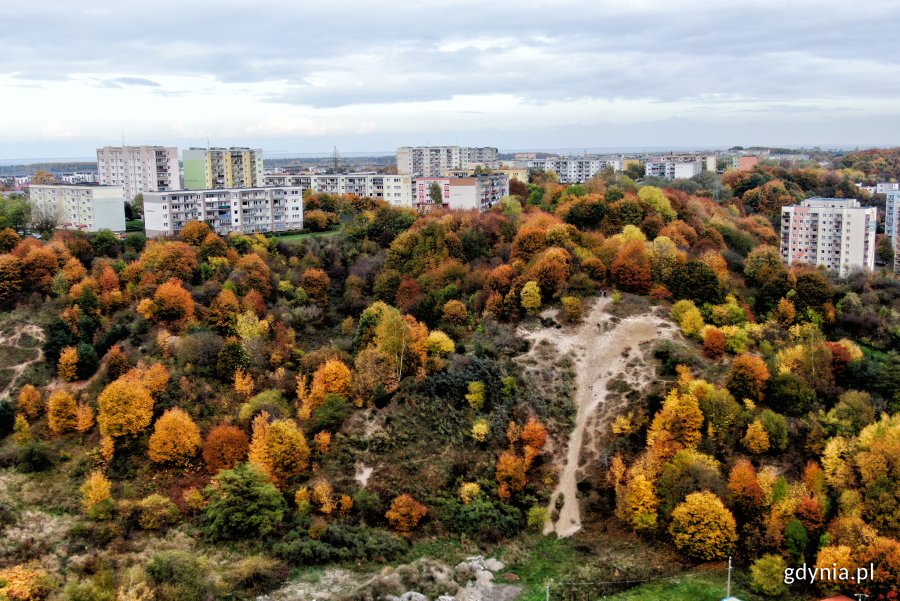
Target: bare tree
point(45, 218)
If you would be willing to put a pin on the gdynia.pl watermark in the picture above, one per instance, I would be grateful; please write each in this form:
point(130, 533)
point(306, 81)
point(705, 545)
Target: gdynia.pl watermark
point(815, 574)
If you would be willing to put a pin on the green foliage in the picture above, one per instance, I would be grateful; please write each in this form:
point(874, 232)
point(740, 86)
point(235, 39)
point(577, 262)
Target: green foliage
point(776, 428)
point(179, 576)
point(797, 539)
point(482, 518)
point(341, 543)
point(767, 575)
point(268, 400)
point(330, 414)
point(243, 503)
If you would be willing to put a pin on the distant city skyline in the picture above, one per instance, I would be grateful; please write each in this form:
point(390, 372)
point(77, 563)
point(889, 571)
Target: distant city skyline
point(302, 78)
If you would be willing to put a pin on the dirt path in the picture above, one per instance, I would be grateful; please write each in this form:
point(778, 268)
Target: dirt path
point(600, 347)
point(14, 339)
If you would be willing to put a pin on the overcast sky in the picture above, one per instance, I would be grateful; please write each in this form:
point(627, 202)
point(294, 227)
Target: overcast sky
point(302, 76)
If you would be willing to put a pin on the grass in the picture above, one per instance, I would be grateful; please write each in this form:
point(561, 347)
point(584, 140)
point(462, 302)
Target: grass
point(550, 558)
point(305, 235)
point(708, 586)
point(134, 225)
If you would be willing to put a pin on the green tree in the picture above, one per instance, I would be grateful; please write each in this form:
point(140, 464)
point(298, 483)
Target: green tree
point(436, 193)
point(243, 503)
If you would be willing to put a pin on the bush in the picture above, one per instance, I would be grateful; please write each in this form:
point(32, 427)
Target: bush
point(35, 457)
point(243, 503)
point(767, 575)
point(537, 516)
point(342, 543)
point(256, 574)
point(267, 400)
point(481, 518)
point(330, 415)
point(7, 418)
point(178, 576)
point(157, 511)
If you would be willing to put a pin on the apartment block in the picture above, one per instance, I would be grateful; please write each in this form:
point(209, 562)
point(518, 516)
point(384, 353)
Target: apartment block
point(892, 223)
point(671, 168)
point(576, 170)
point(219, 168)
point(138, 168)
point(432, 161)
point(479, 192)
point(395, 189)
point(246, 210)
point(85, 207)
point(835, 232)
point(510, 172)
point(886, 187)
point(744, 163)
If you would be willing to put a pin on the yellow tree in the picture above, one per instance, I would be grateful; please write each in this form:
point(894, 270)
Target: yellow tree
point(675, 426)
point(95, 490)
point(67, 367)
point(243, 383)
point(332, 377)
point(530, 297)
point(703, 527)
point(279, 448)
point(756, 440)
point(636, 503)
point(84, 415)
point(126, 408)
point(175, 438)
point(30, 402)
point(62, 414)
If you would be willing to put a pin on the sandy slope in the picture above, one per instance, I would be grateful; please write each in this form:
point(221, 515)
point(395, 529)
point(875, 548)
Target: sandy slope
point(600, 347)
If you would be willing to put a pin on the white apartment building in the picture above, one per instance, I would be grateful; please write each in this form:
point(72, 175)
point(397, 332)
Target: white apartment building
point(480, 192)
point(835, 232)
point(575, 170)
point(671, 168)
point(77, 177)
point(246, 210)
point(891, 223)
point(85, 207)
point(138, 168)
point(395, 189)
point(217, 168)
point(886, 187)
point(432, 161)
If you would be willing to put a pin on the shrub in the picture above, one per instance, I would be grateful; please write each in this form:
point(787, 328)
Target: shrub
point(35, 457)
point(157, 511)
point(95, 490)
point(330, 415)
point(256, 574)
point(267, 400)
point(126, 408)
point(24, 583)
point(243, 503)
point(537, 517)
point(30, 402)
point(178, 576)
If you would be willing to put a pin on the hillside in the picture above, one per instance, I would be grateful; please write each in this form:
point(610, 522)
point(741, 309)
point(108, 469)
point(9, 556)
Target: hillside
point(593, 383)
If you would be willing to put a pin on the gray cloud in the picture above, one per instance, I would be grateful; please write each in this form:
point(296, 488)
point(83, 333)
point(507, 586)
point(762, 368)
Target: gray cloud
point(761, 57)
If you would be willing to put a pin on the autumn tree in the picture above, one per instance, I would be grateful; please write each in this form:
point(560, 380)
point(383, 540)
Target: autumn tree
point(30, 403)
point(126, 408)
point(243, 383)
point(405, 514)
point(316, 283)
point(636, 503)
point(175, 438)
point(748, 377)
point(194, 232)
point(743, 487)
point(95, 490)
point(530, 297)
point(534, 434)
point(223, 311)
point(675, 426)
point(455, 312)
point(510, 473)
point(225, 447)
point(67, 366)
point(171, 304)
point(332, 377)
point(756, 440)
point(279, 448)
point(62, 414)
point(84, 418)
point(475, 397)
point(713, 342)
point(117, 363)
point(703, 527)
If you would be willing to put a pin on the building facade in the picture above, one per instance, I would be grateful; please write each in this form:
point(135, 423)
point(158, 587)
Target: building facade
point(433, 161)
point(220, 168)
point(395, 189)
point(835, 232)
point(576, 170)
point(672, 168)
point(479, 192)
point(892, 223)
point(246, 210)
point(138, 168)
point(85, 207)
